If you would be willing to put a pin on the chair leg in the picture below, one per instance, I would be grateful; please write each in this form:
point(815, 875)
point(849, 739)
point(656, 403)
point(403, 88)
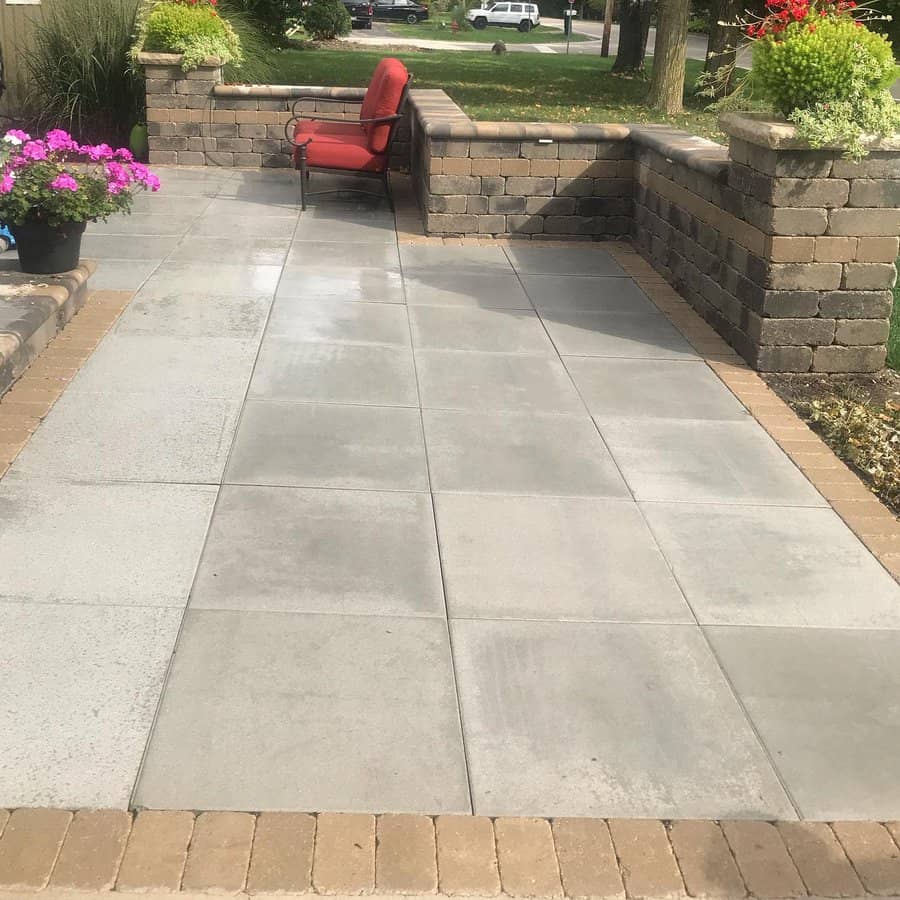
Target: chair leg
point(386, 178)
point(304, 174)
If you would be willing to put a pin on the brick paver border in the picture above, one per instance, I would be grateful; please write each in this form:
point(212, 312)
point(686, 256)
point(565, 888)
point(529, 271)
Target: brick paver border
point(27, 402)
point(105, 851)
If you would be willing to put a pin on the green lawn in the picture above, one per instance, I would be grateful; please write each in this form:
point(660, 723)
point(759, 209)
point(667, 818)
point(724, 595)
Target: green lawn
point(894, 340)
point(440, 30)
point(514, 87)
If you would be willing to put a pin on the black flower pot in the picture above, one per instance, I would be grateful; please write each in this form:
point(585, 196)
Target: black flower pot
point(48, 250)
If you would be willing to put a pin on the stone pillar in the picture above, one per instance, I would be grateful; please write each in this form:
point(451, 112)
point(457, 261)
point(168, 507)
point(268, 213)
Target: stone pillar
point(818, 298)
point(179, 110)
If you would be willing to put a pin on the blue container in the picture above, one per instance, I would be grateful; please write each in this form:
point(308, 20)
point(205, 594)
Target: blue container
point(7, 241)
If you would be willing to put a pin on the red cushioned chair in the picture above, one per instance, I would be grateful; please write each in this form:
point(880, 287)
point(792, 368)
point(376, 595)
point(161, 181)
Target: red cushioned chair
point(340, 145)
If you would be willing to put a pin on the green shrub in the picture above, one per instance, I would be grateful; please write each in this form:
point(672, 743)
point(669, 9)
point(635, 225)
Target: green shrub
point(820, 63)
point(325, 20)
point(271, 17)
point(195, 30)
point(79, 72)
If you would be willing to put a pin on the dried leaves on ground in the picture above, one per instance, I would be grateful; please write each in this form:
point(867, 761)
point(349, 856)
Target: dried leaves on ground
point(859, 418)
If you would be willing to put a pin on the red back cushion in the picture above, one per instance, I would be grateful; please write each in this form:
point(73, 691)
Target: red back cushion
point(383, 99)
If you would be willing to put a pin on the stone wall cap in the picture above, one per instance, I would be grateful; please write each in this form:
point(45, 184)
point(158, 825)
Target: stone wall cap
point(174, 59)
point(696, 153)
point(288, 91)
point(774, 133)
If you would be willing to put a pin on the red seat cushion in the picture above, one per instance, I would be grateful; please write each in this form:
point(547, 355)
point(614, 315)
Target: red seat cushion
point(383, 98)
point(306, 128)
point(343, 149)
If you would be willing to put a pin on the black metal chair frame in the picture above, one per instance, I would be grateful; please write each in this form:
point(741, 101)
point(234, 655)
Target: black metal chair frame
point(305, 168)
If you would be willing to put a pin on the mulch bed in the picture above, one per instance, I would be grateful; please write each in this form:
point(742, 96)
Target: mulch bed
point(858, 416)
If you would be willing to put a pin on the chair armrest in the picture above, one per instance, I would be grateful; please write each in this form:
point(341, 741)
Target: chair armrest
point(303, 97)
point(289, 134)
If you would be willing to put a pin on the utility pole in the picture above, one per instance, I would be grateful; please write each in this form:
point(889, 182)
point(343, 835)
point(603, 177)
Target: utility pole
point(607, 27)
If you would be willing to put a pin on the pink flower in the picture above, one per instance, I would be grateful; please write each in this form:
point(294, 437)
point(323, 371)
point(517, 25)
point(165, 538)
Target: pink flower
point(122, 153)
point(6, 184)
point(64, 182)
point(16, 136)
point(144, 176)
point(57, 139)
point(35, 151)
point(100, 151)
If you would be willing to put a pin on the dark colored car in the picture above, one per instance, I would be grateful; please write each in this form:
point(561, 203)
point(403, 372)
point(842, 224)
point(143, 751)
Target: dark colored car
point(361, 14)
point(400, 11)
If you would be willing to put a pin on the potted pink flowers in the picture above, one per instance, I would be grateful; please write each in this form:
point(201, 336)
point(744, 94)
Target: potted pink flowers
point(51, 188)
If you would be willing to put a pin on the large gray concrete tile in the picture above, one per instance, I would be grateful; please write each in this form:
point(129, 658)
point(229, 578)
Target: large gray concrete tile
point(336, 322)
point(315, 550)
point(214, 278)
point(347, 284)
point(588, 293)
point(80, 687)
point(202, 368)
point(131, 437)
point(488, 288)
point(519, 453)
point(253, 251)
point(325, 445)
point(143, 224)
point(194, 314)
point(250, 209)
point(773, 566)
point(281, 192)
point(122, 274)
point(549, 558)
point(449, 379)
point(415, 257)
point(484, 330)
point(346, 229)
point(234, 226)
point(110, 544)
point(322, 254)
point(652, 388)
point(632, 336)
point(268, 711)
point(825, 704)
point(584, 719)
point(334, 373)
point(705, 462)
point(169, 203)
point(532, 260)
point(128, 246)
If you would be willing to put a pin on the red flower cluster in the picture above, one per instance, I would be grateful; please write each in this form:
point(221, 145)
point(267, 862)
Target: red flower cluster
point(781, 13)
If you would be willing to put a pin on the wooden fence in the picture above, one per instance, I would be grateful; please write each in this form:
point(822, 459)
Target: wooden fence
point(16, 17)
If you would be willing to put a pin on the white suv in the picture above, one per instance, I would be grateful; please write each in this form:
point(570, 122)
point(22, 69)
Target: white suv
point(523, 16)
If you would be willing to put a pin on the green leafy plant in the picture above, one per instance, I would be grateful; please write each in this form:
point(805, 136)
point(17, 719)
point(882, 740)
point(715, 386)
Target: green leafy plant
point(325, 20)
point(57, 180)
point(79, 72)
point(192, 28)
point(458, 15)
point(820, 62)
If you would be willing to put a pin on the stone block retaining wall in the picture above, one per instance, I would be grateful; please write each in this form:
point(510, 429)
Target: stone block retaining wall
point(788, 252)
point(193, 119)
point(505, 178)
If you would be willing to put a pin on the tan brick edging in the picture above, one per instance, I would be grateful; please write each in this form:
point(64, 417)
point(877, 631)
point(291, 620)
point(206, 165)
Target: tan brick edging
point(464, 856)
point(26, 404)
point(872, 522)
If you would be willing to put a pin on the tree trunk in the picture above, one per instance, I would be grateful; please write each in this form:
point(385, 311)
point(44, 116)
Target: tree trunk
point(634, 24)
point(723, 40)
point(607, 27)
point(667, 83)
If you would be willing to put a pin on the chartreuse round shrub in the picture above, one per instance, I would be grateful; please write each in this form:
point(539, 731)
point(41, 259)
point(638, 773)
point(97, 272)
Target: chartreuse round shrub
point(324, 20)
point(819, 62)
point(193, 29)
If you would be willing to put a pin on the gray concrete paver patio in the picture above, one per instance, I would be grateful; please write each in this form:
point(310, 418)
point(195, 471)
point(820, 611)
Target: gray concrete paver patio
point(498, 550)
